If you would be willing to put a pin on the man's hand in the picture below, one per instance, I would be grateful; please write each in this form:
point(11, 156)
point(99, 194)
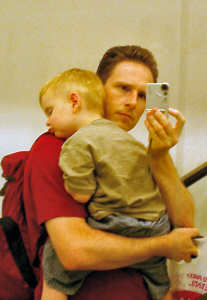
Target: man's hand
point(181, 245)
point(162, 133)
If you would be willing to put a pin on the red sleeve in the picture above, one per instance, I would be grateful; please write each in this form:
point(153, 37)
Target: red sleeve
point(45, 186)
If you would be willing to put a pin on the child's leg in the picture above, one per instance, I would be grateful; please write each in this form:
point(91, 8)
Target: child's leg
point(49, 293)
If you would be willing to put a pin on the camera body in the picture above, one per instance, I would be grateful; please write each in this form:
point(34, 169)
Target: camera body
point(157, 96)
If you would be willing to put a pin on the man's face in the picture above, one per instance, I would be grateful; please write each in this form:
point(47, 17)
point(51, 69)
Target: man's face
point(126, 93)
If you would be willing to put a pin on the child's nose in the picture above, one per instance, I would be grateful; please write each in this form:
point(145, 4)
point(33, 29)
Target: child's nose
point(48, 123)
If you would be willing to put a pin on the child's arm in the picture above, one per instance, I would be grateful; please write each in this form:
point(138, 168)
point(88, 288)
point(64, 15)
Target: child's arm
point(77, 165)
point(78, 197)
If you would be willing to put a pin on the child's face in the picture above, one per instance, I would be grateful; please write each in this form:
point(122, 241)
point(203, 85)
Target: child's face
point(61, 119)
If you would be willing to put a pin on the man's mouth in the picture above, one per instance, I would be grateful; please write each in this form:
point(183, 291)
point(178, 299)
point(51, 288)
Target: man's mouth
point(125, 115)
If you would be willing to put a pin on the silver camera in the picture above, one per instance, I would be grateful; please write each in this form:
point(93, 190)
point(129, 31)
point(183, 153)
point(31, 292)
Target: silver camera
point(157, 96)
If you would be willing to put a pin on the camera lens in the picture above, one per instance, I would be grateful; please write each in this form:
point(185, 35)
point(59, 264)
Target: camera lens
point(164, 87)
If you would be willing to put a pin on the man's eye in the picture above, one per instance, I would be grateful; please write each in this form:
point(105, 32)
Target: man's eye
point(142, 95)
point(125, 88)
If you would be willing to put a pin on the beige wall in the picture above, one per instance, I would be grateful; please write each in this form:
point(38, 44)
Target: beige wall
point(192, 151)
point(42, 38)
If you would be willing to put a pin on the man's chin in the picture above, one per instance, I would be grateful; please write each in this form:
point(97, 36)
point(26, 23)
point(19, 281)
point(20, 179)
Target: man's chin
point(124, 126)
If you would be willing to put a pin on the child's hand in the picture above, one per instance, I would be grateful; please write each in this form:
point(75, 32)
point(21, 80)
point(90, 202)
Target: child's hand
point(162, 133)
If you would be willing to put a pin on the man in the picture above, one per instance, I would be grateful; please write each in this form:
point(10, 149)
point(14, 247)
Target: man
point(124, 72)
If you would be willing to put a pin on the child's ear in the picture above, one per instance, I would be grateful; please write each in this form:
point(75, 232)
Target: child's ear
point(76, 101)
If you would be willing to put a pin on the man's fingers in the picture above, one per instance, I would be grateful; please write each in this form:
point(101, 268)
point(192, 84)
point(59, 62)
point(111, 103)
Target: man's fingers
point(195, 233)
point(177, 114)
point(188, 260)
point(155, 127)
point(164, 135)
point(161, 124)
point(192, 255)
point(180, 120)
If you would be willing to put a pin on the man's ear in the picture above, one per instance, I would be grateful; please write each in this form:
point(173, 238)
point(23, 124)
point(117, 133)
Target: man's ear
point(76, 101)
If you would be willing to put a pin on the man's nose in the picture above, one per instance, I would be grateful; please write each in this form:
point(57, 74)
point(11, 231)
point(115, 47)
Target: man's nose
point(132, 100)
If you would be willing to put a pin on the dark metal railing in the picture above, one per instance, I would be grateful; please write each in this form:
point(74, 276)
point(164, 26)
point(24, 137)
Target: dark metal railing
point(195, 175)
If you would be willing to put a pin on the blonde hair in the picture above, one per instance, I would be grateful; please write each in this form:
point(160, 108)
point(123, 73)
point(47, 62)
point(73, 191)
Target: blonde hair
point(87, 83)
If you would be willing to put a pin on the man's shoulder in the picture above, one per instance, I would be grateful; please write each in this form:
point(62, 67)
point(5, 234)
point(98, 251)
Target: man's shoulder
point(45, 151)
point(47, 139)
point(47, 142)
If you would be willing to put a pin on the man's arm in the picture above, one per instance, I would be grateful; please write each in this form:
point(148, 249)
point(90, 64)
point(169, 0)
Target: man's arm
point(80, 247)
point(178, 199)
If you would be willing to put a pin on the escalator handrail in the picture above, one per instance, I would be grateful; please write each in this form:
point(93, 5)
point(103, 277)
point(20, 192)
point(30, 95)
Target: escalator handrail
point(194, 175)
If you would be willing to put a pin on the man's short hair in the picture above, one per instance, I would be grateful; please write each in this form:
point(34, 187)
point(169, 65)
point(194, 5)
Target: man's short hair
point(87, 83)
point(117, 54)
